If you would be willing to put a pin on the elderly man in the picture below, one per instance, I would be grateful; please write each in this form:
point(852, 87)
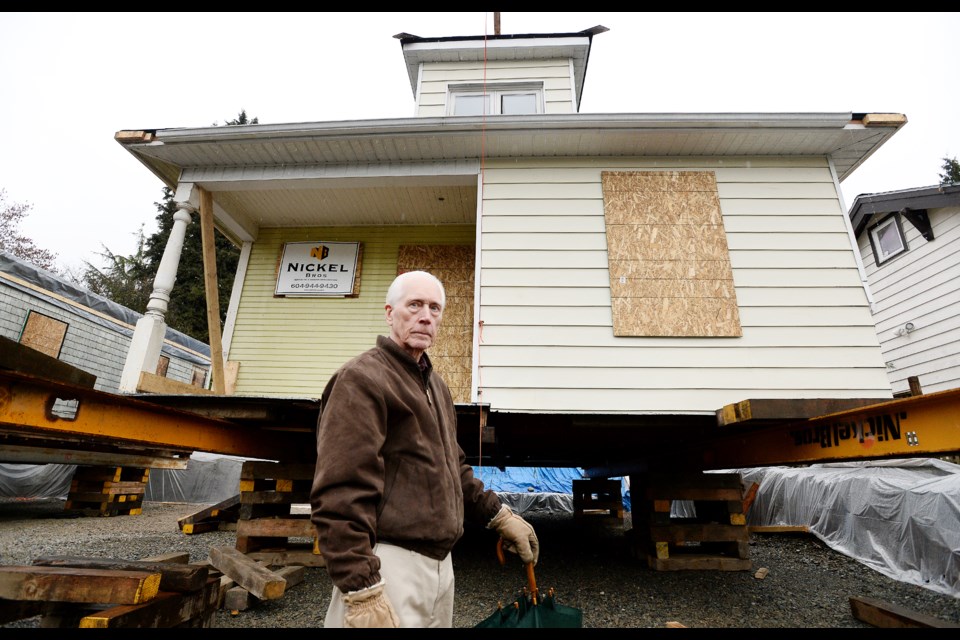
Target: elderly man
point(392, 487)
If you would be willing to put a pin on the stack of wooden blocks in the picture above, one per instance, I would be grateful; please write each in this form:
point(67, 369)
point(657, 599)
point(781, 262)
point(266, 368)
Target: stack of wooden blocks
point(714, 538)
point(107, 491)
point(82, 592)
point(268, 529)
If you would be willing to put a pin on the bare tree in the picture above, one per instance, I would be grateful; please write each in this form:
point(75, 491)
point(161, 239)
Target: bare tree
point(14, 242)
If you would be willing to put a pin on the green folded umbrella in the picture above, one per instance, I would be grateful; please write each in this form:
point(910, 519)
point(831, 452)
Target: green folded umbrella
point(531, 609)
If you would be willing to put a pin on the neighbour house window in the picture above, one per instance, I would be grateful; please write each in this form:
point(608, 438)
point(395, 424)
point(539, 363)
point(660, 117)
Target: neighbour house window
point(497, 99)
point(199, 377)
point(886, 238)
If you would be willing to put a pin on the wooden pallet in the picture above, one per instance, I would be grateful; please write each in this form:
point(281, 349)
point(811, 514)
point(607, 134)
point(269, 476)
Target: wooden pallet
point(716, 538)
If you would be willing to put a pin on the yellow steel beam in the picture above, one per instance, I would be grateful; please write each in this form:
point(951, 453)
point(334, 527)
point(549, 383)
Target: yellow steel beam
point(925, 425)
point(27, 407)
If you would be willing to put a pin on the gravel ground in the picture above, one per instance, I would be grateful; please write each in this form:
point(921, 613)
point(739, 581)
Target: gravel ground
point(587, 563)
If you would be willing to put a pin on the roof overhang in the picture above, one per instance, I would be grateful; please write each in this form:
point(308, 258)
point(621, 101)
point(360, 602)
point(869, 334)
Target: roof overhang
point(252, 168)
point(866, 206)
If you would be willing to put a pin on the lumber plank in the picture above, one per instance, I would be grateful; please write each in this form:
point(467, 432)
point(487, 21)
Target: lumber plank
point(173, 577)
point(277, 528)
point(300, 555)
point(23, 359)
point(213, 511)
point(258, 469)
point(72, 584)
point(178, 557)
point(772, 411)
point(239, 599)
point(883, 614)
point(168, 609)
point(255, 578)
point(779, 528)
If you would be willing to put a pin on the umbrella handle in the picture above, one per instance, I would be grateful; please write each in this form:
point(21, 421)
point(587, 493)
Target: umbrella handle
point(531, 578)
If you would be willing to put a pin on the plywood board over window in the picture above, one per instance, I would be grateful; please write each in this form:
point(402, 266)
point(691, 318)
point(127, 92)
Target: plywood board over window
point(43, 333)
point(670, 272)
point(451, 352)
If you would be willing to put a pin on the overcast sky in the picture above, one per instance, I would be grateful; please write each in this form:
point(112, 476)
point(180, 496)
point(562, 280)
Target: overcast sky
point(70, 81)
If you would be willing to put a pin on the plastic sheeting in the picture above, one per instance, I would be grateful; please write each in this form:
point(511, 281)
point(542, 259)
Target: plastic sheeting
point(30, 481)
point(899, 517)
point(208, 479)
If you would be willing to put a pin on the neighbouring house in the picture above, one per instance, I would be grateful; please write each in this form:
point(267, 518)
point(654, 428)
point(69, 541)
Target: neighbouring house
point(53, 316)
point(613, 279)
point(909, 242)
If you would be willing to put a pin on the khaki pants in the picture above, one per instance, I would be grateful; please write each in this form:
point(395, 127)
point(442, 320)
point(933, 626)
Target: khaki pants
point(419, 588)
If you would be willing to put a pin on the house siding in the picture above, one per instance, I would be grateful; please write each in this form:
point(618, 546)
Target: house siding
point(922, 286)
point(545, 304)
point(87, 345)
point(289, 346)
point(555, 75)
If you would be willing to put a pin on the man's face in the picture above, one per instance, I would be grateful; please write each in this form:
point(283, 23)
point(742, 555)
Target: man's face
point(416, 318)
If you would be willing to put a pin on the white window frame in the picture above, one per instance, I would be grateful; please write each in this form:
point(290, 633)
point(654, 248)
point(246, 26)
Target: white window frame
point(890, 223)
point(494, 93)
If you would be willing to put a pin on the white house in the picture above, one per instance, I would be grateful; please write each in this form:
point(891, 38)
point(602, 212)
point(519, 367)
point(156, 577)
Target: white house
point(613, 280)
point(909, 242)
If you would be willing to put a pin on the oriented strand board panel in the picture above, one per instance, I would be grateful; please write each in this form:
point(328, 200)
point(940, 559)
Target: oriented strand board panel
point(43, 333)
point(454, 266)
point(669, 263)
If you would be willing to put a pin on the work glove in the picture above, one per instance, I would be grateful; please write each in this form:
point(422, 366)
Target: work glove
point(369, 608)
point(518, 535)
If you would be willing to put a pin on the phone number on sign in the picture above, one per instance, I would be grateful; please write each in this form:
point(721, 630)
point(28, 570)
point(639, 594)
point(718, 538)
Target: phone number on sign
point(315, 285)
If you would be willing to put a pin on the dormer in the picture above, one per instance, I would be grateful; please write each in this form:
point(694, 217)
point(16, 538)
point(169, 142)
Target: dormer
point(506, 74)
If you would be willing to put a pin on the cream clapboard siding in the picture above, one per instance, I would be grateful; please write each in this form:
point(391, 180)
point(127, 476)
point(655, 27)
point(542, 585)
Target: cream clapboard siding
point(921, 286)
point(290, 346)
point(548, 343)
point(555, 75)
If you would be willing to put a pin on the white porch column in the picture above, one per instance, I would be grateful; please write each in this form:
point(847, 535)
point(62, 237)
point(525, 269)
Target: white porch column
point(144, 353)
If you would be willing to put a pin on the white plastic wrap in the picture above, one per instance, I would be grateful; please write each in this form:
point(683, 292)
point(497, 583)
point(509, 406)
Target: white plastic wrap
point(899, 517)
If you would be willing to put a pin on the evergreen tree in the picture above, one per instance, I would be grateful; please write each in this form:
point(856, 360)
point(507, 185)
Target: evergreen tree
point(126, 280)
point(951, 171)
point(187, 310)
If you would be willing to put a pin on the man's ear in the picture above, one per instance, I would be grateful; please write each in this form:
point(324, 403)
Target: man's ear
point(388, 313)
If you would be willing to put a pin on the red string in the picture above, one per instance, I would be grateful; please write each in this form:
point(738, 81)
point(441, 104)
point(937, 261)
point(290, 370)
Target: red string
point(483, 147)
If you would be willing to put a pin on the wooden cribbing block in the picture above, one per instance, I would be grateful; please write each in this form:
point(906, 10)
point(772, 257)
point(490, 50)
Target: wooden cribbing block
point(173, 577)
point(883, 614)
point(177, 557)
point(71, 584)
point(239, 599)
point(255, 578)
point(168, 609)
point(225, 510)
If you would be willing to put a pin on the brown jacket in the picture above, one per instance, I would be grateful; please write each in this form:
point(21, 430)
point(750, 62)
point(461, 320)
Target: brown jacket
point(389, 467)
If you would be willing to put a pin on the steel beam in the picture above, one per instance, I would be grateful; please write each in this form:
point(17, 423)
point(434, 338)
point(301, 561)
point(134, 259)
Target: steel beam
point(926, 425)
point(27, 407)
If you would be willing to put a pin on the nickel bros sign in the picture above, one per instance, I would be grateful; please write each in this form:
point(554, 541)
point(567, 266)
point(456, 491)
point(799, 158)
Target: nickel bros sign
point(318, 269)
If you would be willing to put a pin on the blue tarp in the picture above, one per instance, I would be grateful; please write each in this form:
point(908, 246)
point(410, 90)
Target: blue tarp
point(536, 480)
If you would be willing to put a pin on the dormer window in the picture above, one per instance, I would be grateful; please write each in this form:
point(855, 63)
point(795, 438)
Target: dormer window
point(887, 239)
point(497, 99)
